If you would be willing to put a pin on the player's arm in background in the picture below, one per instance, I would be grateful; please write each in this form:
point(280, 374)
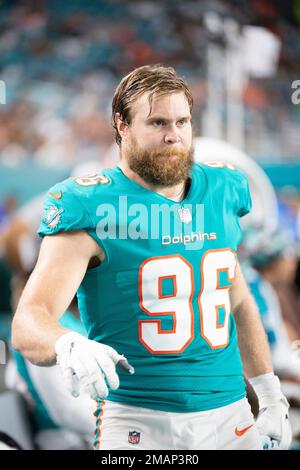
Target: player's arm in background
point(61, 266)
point(272, 422)
point(252, 340)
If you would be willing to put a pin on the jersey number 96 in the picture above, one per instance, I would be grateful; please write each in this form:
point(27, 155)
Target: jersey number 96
point(212, 299)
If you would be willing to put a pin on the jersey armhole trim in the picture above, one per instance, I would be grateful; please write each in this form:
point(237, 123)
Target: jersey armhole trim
point(104, 264)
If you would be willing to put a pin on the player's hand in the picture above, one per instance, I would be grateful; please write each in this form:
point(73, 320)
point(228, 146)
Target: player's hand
point(274, 426)
point(88, 366)
point(273, 418)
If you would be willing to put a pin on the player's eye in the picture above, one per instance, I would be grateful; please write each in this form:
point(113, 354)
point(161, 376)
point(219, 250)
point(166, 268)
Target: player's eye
point(181, 122)
point(158, 123)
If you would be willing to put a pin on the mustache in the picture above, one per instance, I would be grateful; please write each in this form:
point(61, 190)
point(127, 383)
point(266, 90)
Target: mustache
point(167, 152)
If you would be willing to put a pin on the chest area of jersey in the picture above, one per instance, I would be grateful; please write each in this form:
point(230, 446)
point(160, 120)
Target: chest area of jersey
point(178, 269)
point(129, 226)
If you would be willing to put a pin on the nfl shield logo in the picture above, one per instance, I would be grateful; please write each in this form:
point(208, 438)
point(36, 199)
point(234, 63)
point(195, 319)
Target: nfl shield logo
point(185, 215)
point(134, 437)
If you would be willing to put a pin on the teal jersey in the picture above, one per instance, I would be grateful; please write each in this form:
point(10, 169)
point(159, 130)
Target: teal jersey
point(266, 304)
point(161, 295)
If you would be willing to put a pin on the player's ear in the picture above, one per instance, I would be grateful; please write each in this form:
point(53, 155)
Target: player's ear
point(121, 125)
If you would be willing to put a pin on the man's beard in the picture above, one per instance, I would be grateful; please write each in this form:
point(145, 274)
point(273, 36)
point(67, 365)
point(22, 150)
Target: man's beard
point(157, 167)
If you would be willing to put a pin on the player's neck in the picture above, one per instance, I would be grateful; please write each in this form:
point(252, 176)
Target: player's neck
point(169, 192)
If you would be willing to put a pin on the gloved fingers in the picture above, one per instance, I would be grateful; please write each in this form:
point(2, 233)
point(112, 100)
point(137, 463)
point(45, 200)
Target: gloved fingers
point(266, 442)
point(84, 364)
point(71, 381)
point(90, 375)
point(269, 444)
point(110, 352)
point(63, 361)
point(89, 365)
point(119, 360)
point(92, 392)
point(275, 430)
point(94, 384)
point(287, 435)
point(77, 369)
point(109, 369)
point(101, 388)
point(265, 428)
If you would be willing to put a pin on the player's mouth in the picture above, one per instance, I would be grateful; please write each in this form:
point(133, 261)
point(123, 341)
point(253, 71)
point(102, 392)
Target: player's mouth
point(173, 156)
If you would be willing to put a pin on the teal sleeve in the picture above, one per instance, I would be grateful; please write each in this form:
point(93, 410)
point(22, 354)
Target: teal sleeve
point(68, 320)
point(63, 211)
point(244, 202)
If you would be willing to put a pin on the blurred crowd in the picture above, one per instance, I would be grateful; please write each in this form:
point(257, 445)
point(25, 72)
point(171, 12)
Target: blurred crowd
point(61, 61)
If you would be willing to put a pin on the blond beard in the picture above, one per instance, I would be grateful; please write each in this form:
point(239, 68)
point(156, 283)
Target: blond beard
point(156, 168)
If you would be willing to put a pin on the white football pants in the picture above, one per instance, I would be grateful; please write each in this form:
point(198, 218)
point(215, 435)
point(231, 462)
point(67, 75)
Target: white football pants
point(123, 427)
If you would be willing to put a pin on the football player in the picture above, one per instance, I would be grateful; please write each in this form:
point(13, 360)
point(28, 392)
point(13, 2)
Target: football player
point(150, 246)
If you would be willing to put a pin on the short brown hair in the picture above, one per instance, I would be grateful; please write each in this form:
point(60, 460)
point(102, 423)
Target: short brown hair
point(155, 79)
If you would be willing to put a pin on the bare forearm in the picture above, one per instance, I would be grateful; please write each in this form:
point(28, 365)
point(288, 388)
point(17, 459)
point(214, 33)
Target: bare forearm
point(35, 333)
point(252, 340)
point(35, 326)
point(61, 266)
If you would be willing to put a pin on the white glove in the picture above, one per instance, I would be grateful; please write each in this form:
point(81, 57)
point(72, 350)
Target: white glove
point(273, 417)
point(86, 364)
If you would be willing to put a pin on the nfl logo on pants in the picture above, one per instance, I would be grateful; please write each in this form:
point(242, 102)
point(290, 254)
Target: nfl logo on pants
point(134, 437)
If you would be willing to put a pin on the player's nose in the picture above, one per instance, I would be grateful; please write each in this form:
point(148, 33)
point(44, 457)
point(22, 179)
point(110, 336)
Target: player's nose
point(171, 135)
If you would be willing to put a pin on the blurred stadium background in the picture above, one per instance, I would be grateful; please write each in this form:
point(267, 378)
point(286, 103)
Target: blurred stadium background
point(59, 64)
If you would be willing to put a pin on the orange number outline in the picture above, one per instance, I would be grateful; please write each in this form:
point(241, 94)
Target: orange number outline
point(173, 314)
